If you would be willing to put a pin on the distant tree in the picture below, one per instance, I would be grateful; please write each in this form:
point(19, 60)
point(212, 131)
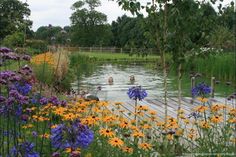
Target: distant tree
point(12, 13)
point(129, 32)
point(89, 26)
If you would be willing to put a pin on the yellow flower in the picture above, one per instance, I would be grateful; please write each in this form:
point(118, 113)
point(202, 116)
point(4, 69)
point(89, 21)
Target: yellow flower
point(160, 124)
point(170, 137)
point(69, 116)
point(203, 100)
point(54, 126)
point(204, 125)
point(179, 132)
point(216, 107)
point(138, 134)
point(142, 108)
point(232, 112)
point(152, 112)
point(145, 146)
point(128, 150)
point(216, 119)
point(232, 120)
point(27, 126)
point(201, 109)
point(116, 142)
point(146, 126)
point(106, 132)
point(124, 124)
point(46, 135)
point(60, 111)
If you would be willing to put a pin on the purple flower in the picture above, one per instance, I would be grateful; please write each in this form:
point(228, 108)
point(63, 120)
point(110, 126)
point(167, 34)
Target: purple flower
point(43, 101)
point(23, 88)
point(25, 149)
point(5, 50)
point(2, 99)
point(26, 57)
point(54, 100)
point(137, 93)
point(201, 90)
point(73, 136)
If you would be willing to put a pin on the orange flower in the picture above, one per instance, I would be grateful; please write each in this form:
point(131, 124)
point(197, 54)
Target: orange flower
point(232, 112)
point(145, 146)
point(216, 107)
point(128, 150)
point(106, 132)
point(170, 137)
point(124, 124)
point(203, 100)
point(142, 108)
point(69, 116)
point(116, 142)
point(201, 109)
point(59, 111)
point(138, 134)
point(204, 125)
point(216, 119)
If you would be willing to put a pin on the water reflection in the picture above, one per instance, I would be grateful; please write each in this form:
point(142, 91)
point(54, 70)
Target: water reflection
point(123, 77)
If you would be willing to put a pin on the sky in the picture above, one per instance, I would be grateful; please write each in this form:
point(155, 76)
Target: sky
point(57, 12)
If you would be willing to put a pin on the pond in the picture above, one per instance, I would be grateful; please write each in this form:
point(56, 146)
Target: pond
point(150, 79)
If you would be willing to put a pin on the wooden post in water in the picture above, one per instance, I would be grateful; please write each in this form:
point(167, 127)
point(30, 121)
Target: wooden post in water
point(192, 82)
point(212, 87)
point(192, 85)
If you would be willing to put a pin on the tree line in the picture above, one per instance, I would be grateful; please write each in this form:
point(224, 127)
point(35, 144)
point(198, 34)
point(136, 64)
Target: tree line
point(203, 24)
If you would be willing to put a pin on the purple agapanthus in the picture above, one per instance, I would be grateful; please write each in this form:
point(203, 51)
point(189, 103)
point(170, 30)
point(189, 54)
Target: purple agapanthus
point(137, 93)
point(201, 89)
point(25, 149)
point(73, 136)
point(23, 88)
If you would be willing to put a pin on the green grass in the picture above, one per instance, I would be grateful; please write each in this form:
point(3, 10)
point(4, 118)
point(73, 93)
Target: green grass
point(104, 56)
point(221, 66)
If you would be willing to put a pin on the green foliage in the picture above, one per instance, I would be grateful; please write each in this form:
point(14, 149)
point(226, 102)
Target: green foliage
point(14, 40)
point(36, 46)
point(53, 34)
point(89, 26)
point(44, 73)
point(222, 38)
point(12, 13)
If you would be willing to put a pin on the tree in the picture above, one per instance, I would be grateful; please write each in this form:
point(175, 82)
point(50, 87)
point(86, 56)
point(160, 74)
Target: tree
point(89, 26)
point(129, 32)
point(12, 13)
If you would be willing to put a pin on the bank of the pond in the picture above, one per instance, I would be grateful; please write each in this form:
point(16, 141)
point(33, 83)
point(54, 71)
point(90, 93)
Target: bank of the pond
point(116, 57)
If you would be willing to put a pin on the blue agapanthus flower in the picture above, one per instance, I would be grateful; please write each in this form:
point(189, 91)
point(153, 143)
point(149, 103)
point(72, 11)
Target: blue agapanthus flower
point(201, 90)
point(23, 88)
point(137, 93)
point(73, 136)
point(25, 149)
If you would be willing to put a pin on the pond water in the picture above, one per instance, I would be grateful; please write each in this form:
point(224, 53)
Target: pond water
point(150, 79)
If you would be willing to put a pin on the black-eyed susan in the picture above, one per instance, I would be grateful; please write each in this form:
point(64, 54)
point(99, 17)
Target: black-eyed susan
point(59, 111)
point(204, 125)
point(201, 109)
point(216, 107)
point(138, 134)
point(69, 117)
point(145, 146)
point(124, 124)
point(106, 132)
point(128, 150)
point(232, 112)
point(216, 119)
point(203, 100)
point(116, 142)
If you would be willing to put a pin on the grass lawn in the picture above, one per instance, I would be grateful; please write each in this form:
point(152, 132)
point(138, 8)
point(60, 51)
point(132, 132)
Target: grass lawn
point(104, 56)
